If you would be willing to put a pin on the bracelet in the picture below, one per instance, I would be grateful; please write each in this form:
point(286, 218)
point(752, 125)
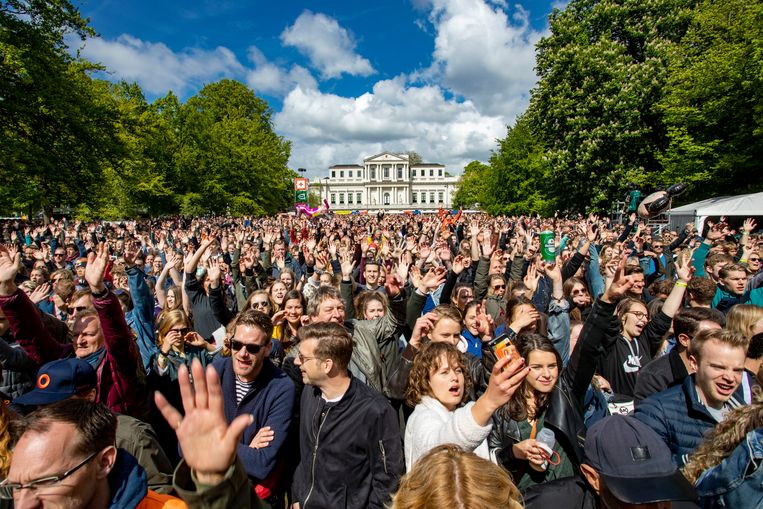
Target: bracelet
point(742, 260)
point(681, 284)
point(100, 295)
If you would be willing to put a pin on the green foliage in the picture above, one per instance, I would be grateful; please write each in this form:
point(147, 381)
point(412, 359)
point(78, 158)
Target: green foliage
point(67, 139)
point(513, 182)
point(714, 106)
point(414, 157)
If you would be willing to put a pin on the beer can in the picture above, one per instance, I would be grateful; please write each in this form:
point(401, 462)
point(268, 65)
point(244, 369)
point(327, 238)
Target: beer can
point(547, 247)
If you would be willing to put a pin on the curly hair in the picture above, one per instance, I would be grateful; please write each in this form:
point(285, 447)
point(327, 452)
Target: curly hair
point(426, 363)
point(448, 476)
point(5, 439)
point(725, 437)
point(518, 406)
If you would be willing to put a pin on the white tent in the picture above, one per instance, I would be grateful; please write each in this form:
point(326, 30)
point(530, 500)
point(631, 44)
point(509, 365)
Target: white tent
point(745, 205)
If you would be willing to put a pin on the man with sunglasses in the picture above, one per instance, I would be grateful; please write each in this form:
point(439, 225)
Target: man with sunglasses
point(253, 385)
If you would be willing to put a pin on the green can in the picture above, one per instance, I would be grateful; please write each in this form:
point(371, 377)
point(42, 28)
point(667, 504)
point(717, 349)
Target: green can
point(547, 247)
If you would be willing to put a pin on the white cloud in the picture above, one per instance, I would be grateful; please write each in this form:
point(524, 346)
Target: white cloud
point(270, 78)
point(330, 48)
point(328, 129)
point(484, 54)
point(157, 67)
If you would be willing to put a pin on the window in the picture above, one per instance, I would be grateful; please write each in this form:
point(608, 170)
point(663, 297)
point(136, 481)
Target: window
point(333, 174)
point(333, 198)
point(349, 199)
point(439, 173)
point(349, 173)
point(386, 172)
point(373, 173)
point(414, 198)
point(440, 196)
point(400, 173)
point(341, 198)
point(358, 198)
point(341, 174)
point(431, 173)
point(423, 197)
point(386, 198)
point(431, 197)
point(413, 173)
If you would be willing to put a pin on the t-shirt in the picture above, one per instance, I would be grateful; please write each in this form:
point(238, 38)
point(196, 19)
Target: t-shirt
point(242, 389)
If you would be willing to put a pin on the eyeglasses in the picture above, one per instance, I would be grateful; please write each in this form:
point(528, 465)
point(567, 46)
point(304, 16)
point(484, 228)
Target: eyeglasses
point(657, 247)
point(236, 345)
point(303, 359)
point(639, 314)
point(58, 254)
point(7, 489)
point(499, 287)
point(580, 292)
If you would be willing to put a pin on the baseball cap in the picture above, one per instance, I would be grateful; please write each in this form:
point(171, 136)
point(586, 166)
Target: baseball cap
point(634, 462)
point(59, 380)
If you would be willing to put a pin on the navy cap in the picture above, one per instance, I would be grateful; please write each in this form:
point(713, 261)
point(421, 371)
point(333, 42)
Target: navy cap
point(634, 462)
point(59, 380)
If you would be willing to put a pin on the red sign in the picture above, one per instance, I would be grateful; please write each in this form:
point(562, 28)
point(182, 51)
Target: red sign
point(300, 184)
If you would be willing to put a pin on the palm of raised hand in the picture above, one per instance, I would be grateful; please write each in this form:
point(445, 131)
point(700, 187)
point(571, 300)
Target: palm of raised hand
point(8, 265)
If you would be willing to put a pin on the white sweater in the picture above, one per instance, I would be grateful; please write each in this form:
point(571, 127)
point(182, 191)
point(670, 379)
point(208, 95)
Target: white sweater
point(431, 424)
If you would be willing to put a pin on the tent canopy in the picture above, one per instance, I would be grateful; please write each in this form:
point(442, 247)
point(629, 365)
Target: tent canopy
point(747, 205)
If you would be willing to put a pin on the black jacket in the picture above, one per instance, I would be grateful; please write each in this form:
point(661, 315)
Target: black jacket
point(565, 408)
point(351, 454)
point(658, 375)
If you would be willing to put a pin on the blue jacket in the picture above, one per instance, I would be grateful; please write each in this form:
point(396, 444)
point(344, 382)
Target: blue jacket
point(677, 415)
point(737, 480)
point(270, 402)
point(141, 317)
point(128, 481)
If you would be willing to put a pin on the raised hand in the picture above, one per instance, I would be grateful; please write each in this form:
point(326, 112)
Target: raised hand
point(531, 278)
point(393, 285)
point(208, 442)
point(684, 268)
point(348, 265)
point(40, 293)
point(96, 267)
point(458, 264)
point(131, 252)
point(213, 271)
point(748, 226)
point(620, 284)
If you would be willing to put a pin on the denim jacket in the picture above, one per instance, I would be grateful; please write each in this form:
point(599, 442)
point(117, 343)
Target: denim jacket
point(738, 480)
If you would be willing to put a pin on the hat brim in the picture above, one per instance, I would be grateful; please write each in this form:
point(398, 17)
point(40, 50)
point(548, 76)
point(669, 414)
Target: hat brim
point(36, 397)
point(646, 490)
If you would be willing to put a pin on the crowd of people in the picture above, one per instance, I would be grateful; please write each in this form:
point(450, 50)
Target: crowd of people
point(357, 362)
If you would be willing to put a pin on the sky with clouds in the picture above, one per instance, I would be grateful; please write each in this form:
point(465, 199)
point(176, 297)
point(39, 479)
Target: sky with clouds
point(346, 79)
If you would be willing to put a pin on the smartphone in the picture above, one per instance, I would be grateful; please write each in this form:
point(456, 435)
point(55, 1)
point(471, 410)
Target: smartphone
point(502, 346)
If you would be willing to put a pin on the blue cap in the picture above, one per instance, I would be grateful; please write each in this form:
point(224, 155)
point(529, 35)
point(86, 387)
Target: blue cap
point(59, 380)
point(634, 462)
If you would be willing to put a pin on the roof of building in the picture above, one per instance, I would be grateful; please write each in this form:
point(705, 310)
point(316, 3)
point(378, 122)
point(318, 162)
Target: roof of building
point(402, 157)
point(346, 166)
point(428, 165)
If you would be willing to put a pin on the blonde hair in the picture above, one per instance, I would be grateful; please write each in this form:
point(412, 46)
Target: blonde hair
point(168, 320)
point(5, 439)
point(725, 437)
point(449, 477)
point(742, 319)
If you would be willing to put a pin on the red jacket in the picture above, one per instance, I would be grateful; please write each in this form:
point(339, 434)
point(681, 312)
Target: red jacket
point(120, 384)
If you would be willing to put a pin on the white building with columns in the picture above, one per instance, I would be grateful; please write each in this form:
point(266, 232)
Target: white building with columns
point(386, 181)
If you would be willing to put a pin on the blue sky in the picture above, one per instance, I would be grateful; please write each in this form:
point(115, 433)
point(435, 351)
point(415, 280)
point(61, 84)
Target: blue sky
point(345, 79)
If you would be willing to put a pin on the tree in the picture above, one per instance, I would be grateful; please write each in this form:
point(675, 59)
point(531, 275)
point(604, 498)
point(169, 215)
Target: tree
point(229, 153)
point(414, 157)
point(56, 125)
point(713, 107)
point(470, 189)
point(602, 73)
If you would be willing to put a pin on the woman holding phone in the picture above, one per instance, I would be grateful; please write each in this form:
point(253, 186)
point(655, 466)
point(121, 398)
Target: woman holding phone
point(549, 403)
point(438, 388)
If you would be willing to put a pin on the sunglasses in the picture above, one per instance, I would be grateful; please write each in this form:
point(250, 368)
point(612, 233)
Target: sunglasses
point(76, 309)
point(499, 287)
point(58, 254)
point(754, 260)
point(236, 345)
point(182, 332)
point(263, 304)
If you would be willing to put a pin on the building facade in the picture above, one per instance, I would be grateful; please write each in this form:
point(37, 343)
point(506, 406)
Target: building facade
point(386, 181)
